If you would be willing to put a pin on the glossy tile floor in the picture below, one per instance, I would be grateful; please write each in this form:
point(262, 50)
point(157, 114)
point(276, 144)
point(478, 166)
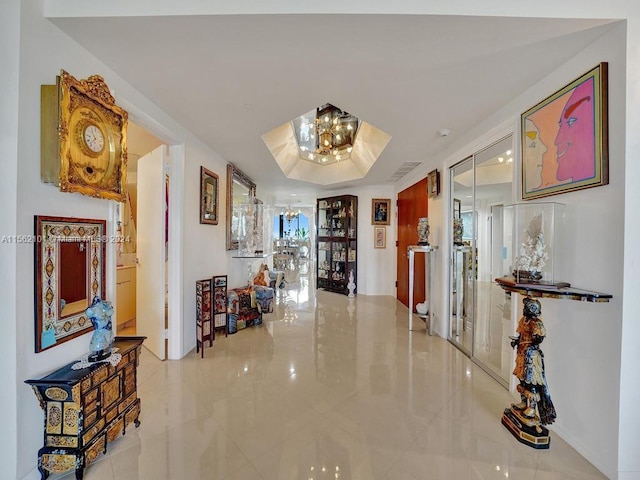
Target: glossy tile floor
point(329, 387)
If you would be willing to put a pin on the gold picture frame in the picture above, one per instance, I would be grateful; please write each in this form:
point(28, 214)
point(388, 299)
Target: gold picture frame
point(379, 237)
point(433, 183)
point(380, 211)
point(209, 188)
point(565, 140)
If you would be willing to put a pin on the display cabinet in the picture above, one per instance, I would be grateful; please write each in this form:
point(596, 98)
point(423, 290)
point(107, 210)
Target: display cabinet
point(204, 315)
point(337, 245)
point(87, 408)
point(220, 297)
point(532, 240)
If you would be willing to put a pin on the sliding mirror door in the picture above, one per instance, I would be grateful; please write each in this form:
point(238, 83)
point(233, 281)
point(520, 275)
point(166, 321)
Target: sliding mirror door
point(480, 311)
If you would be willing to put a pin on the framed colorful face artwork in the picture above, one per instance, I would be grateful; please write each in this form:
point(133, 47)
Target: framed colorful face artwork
point(564, 138)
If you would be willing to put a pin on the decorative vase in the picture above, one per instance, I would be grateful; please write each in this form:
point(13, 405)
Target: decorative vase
point(423, 231)
point(458, 230)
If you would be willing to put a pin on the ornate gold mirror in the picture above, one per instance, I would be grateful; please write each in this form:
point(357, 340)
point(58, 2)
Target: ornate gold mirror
point(70, 254)
point(240, 190)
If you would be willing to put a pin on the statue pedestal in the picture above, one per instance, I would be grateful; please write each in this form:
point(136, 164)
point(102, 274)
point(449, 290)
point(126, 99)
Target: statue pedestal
point(525, 430)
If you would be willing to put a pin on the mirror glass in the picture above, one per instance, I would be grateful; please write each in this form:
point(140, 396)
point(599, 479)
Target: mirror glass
point(240, 190)
point(73, 259)
point(69, 273)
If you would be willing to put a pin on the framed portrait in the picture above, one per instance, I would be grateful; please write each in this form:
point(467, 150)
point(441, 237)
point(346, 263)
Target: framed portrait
point(564, 138)
point(433, 183)
point(381, 211)
point(208, 197)
point(379, 237)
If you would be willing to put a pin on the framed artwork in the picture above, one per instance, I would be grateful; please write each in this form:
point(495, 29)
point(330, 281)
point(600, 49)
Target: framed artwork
point(433, 183)
point(69, 274)
point(208, 197)
point(380, 211)
point(379, 237)
point(564, 138)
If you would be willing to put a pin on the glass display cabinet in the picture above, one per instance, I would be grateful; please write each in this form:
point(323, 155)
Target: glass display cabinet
point(531, 240)
point(336, 242)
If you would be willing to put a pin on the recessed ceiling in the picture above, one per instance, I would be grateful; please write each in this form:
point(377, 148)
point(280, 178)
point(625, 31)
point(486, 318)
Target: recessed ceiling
point(231, 78)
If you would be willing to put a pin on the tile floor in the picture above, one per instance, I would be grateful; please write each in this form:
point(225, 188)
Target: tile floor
point(329, 387)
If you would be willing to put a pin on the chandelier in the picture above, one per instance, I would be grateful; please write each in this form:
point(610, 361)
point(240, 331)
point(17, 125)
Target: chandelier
point(290, 214)
point(325, 135)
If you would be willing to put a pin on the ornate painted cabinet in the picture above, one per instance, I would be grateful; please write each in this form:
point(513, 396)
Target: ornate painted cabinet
point(86, 409)
point(337, 244)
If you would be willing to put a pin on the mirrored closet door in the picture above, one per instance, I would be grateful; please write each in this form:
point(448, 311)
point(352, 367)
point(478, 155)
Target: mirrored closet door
point(480, 313)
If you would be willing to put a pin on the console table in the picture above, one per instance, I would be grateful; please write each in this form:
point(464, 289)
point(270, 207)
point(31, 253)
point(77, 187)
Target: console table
point(527, 425)
point(428, 251)
point(86, 409)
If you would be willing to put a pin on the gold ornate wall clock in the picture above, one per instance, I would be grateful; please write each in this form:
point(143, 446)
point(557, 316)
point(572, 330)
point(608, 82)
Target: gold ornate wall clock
point(87, 152)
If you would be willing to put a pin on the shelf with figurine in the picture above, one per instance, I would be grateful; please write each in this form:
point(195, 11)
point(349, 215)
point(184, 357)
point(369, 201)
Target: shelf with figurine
point(336, 246)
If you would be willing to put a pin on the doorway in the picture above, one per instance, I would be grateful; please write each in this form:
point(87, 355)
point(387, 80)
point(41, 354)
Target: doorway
point(142, 264)
point(480, 312)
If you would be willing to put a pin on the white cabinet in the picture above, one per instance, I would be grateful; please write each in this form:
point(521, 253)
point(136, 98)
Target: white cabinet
point(125, 294)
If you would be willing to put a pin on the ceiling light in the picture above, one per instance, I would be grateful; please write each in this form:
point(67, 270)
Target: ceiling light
point(508, 152)
point(501, 159)
point(290, 214)
point(509, 160)
point(443, 132)
point(328, 131)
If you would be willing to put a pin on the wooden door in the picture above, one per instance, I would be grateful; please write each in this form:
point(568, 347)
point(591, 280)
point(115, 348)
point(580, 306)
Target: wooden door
point(412, 204)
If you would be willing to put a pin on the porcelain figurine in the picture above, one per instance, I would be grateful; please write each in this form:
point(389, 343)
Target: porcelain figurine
point(352, 284)
point(100, 313)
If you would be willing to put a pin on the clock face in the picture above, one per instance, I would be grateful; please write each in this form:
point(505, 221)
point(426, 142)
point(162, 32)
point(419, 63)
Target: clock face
point(93, 138)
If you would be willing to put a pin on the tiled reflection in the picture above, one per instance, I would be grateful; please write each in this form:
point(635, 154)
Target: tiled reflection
point(329, 387)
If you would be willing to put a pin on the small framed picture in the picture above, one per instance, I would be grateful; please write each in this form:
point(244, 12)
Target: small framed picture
point(433, 183)
point(381, 211)
point(379, 237)
point(208, 197)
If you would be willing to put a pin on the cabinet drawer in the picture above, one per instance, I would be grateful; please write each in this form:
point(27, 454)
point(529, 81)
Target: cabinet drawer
point(100, 376)
point(95, 450)
point(93, 431)
point(132, 414)
point(130, 399)
point(111, 392)
point(91, 396)
point(90, 418)
point(115, 430)
point(62, 442)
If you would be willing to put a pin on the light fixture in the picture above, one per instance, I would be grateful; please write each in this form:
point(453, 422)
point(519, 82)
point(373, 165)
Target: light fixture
point(325, 135)
point(290, 214)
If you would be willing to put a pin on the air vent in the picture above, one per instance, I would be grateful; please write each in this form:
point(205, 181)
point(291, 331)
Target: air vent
point(405, 168)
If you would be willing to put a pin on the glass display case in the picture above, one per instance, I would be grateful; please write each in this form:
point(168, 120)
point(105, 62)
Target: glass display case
point(336, 242)
point(531, 239)
point(252, 229)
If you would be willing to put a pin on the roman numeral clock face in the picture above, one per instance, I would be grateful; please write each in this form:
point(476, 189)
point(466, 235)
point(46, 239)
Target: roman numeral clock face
point(91, 148)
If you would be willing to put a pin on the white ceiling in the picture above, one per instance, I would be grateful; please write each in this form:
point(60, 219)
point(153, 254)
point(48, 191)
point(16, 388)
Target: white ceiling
point(230, 79)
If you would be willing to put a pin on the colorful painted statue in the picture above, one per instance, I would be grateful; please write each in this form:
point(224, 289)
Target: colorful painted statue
point(535, 402)
point(100, 313)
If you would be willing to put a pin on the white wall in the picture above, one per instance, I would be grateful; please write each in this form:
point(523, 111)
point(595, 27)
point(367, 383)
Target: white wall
point(584, 339)
point(9, 79)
